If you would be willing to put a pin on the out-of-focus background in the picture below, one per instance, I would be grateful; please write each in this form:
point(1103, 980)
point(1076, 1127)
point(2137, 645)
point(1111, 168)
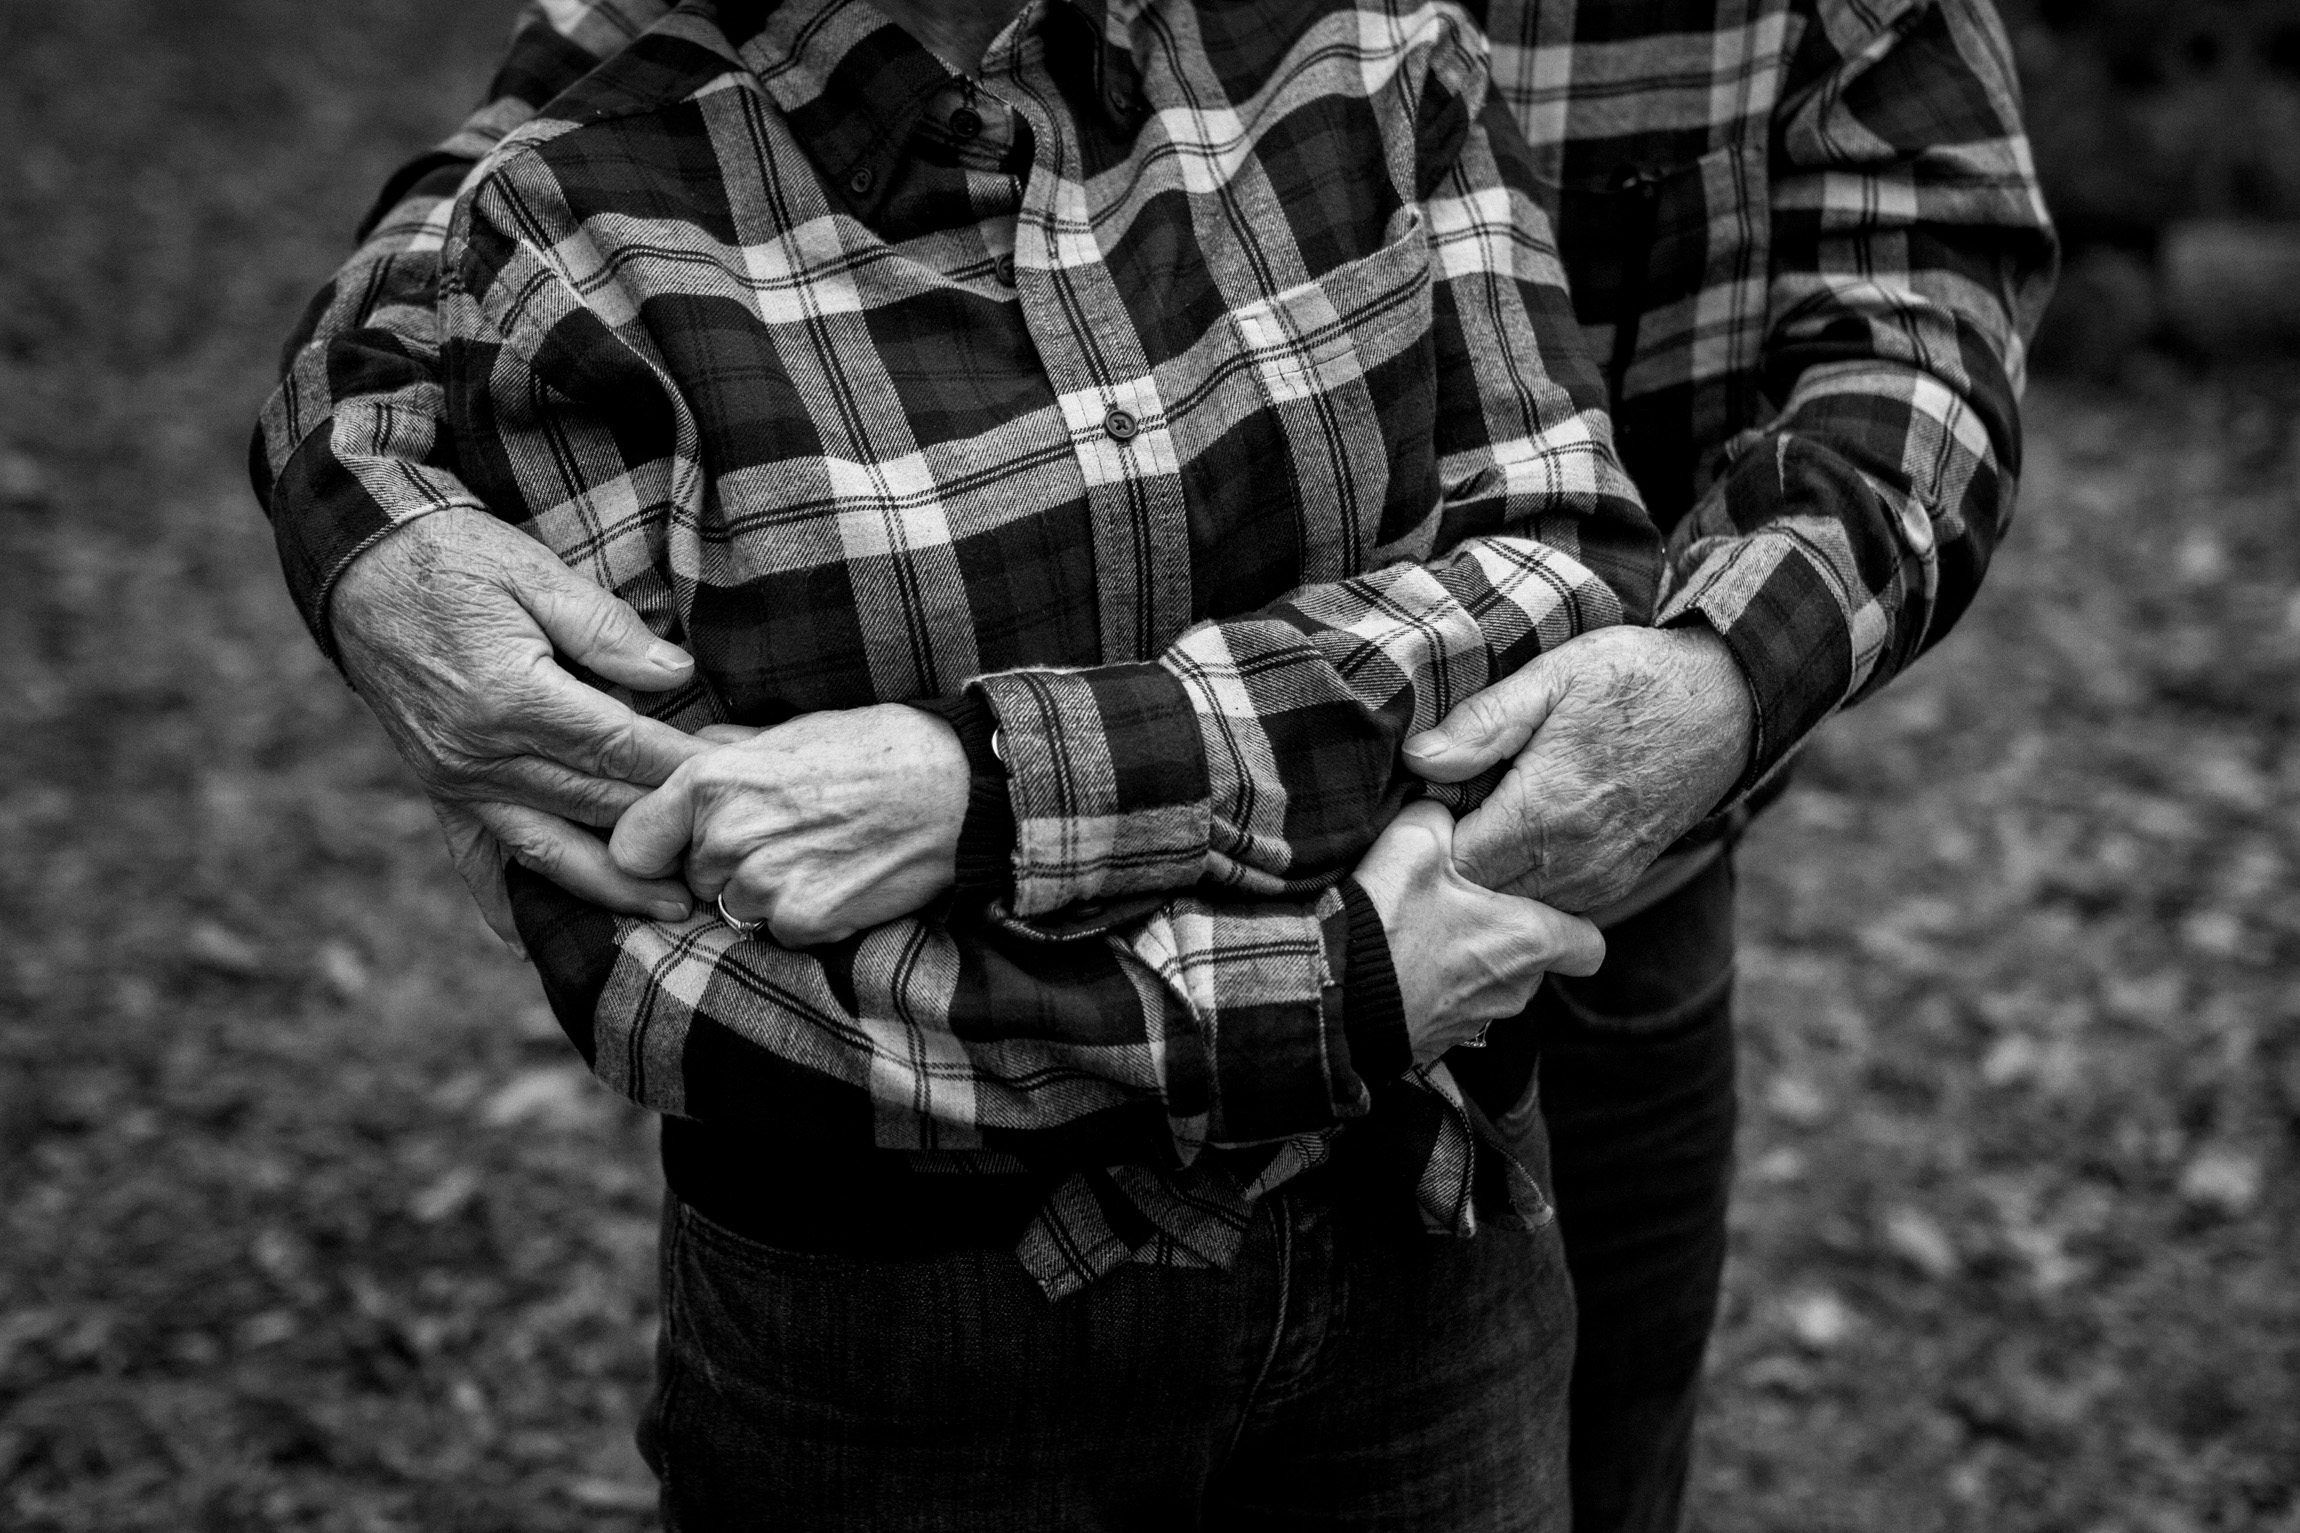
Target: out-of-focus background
point(308, 1217)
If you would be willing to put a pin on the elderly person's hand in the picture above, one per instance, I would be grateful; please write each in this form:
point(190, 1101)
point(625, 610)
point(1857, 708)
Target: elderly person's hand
point(820, 827)
point(1464, 956)
point(1624, 738)
point(447, 630)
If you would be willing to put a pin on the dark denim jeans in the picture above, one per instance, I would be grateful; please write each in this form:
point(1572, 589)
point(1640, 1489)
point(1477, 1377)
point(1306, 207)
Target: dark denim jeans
point(1343, 1374)
point(1637, 1084)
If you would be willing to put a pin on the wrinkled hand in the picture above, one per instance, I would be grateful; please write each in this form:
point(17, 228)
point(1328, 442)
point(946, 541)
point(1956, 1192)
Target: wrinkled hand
point(1464, 956)
point(447, 629)
point(1624, 739)
point(821, 827)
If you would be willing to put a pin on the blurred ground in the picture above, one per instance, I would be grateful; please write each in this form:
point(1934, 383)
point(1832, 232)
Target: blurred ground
point(307, 1218)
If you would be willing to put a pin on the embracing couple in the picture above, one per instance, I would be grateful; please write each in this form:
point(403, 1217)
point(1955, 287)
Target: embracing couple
point(1131, 577)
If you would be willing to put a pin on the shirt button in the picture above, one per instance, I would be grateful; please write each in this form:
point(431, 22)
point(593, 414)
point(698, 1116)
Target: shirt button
point(861, 182)
point(1005, 271)
point(1121, 104)
point(1121, 425)
point(966, 122)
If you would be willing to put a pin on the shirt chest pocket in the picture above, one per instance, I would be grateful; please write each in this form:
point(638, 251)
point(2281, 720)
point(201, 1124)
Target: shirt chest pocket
point(1667, 262)
point(1343, 371)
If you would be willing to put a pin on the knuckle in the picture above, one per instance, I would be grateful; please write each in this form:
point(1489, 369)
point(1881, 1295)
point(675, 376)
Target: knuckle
point(1485, 711)
point(793, 931)
point(616, 753)
point(541, 855)
point(486, 715)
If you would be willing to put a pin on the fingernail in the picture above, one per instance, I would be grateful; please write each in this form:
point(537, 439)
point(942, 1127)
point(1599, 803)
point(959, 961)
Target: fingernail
point(667, 911)
point(666, 657)
point(1428, 743)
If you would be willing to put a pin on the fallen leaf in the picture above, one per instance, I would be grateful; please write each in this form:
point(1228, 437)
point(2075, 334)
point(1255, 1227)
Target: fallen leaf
point(1819, 1319)
point(217, 947)
point(2222, 1180)
point(612, 1495)
point(1780, 1164)
point(2213, 933)
point(446, 1197)
point(1918, 1239)
point(342, 970)
point(1796, 1100)
point(557, 1096)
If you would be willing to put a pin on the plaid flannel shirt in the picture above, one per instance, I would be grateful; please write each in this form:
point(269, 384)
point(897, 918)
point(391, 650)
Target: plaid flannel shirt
point(1807, 241)
point(1223, 432)
point(1804, 236)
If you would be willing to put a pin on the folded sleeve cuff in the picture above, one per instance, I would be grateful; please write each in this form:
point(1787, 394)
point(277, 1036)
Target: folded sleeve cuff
point(1773, 570)
point(986, 839)
point(1107, 780)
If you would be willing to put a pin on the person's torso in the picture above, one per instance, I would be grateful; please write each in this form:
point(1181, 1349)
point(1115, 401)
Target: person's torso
point(1032, 371)
point(1651, 124)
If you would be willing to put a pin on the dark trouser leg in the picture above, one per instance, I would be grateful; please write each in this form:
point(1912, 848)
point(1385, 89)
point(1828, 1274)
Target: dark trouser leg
point(1637, 1083)
point(1349, 1372)
point(1420, 1384)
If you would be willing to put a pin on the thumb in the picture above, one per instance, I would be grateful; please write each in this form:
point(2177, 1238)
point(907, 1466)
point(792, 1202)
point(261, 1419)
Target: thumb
point(1577, 943)
point(597, 629)
point(1431, 819)
point(653, 834)
point(1486, 727)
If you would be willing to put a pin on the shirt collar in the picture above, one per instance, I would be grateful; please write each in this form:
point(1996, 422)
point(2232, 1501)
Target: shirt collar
point(852, 84)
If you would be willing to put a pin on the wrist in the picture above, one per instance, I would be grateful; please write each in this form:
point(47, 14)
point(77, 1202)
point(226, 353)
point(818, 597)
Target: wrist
point(1725, 702)
point(367, 586)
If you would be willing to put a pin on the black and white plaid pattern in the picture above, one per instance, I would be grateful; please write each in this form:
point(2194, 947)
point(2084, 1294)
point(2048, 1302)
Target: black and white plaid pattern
point(1222, 414)
point(1807, 242)
point(1821, 204)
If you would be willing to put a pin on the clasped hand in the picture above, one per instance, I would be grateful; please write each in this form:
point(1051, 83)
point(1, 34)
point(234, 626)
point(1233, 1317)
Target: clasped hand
point(820, 827)
point(837, 821)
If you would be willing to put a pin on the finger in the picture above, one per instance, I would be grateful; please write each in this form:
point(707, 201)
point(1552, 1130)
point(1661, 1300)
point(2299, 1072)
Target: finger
point(1504, 841)
point(597, 629)
point(1427, 814)
point(479, 858)
point(652, 837)
point(584, 729)
point(1427, 819)
point(1577, 946)
point(1421, 834)
point(550, 788)
point(577, 862)
point(728, 734)
point(758, 891)
point(1487, 726)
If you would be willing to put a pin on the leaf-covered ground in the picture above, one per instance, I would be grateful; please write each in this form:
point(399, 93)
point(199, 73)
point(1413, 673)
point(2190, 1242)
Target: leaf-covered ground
point(308, 1220)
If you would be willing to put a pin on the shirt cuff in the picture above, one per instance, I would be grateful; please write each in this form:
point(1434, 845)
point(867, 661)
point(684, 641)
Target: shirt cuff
point(986, 838)
point(1797, 624)
point(1107, 776)
point(1373, 1009)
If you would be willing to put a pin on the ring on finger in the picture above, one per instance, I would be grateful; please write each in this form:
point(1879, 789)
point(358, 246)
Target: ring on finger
point(738, 927)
